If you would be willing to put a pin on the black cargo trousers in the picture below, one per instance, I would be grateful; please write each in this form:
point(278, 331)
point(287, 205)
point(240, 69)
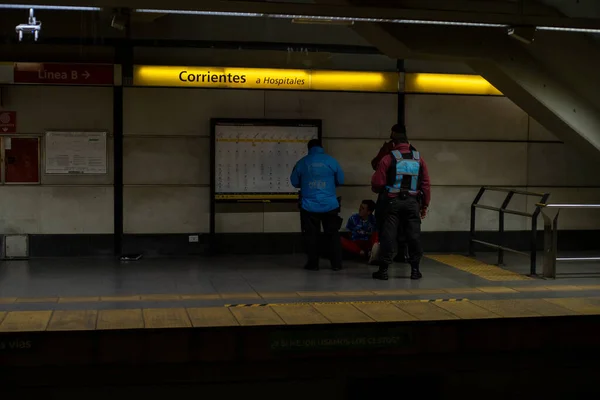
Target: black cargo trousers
point(400, 215)
point(401, 247)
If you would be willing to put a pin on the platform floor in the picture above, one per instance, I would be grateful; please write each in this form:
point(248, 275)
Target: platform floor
point(89, 294)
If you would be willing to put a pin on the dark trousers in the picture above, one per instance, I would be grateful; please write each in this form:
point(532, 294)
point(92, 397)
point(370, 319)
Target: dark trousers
point(401, 249)
point(401, 214)
point(311, 229)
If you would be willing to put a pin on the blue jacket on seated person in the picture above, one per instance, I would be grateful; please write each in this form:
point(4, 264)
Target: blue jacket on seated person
point(317, 175)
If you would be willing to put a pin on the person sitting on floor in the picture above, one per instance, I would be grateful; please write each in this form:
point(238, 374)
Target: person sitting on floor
point(362, 230)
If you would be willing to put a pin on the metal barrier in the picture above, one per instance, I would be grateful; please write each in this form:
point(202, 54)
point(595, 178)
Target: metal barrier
point(551, 238)
point(502, 210)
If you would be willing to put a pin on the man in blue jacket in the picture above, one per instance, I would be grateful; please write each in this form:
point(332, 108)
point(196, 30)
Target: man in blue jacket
point(317, 175)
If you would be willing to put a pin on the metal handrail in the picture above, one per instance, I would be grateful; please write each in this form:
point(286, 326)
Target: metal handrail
point(514, 212)
point(502, 210)
point(551, 237)
point(515, 191)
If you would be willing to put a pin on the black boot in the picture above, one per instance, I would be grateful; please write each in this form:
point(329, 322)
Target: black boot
point(414, 271)
point(382, 274)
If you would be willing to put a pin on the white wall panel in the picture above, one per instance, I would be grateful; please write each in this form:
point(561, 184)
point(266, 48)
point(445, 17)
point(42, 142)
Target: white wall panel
point(166, 210)
point(356, 115)
point(475, 163)
point(166, 160)
point(464, 117)
point(258, 222)
point(76, 210)
point(40, 108)
point(248, 222)
point(282, 222)
point(160, 111)
point(539, 133)
point(557, 165)
point(56, 210)
point(20, 208)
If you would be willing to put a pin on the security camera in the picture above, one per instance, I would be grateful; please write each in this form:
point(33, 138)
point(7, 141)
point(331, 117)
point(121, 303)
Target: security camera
point(33, 27)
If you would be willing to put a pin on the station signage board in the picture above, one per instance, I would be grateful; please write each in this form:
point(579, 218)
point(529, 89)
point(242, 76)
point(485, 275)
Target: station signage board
point(260, 78)
point(64, 74)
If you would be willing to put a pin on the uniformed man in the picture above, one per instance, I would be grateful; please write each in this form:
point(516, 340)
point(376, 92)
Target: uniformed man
point(402, 248)
point(317, 175)
point(403, 179)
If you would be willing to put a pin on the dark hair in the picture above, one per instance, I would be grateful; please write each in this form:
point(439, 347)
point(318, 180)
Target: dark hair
point(399, 134)
point(370, 204)
point(398, 128)
point(314, 143)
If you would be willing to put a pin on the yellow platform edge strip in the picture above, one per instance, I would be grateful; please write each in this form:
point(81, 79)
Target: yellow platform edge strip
point(136, 318)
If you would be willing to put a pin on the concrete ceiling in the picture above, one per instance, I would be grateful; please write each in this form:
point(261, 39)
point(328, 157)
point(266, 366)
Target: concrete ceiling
point(576, 8)
point(582, 13)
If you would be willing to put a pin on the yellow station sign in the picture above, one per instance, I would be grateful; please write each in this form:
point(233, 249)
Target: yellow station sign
point(448, 84)
point(318, 80)
point(259, 78)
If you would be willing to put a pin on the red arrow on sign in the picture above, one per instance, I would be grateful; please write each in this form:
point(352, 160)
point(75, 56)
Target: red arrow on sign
point(8, 121)
point(61, 74)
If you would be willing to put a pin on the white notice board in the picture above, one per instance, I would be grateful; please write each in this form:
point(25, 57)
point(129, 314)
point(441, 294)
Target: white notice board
point(255, 161)
point(76, 152)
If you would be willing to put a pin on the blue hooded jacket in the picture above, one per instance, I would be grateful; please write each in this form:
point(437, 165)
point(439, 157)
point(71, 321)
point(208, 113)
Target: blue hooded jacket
point(317, 175)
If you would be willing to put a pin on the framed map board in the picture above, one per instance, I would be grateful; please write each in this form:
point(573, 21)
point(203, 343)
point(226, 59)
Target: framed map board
point(70, 152)
point(253, 159)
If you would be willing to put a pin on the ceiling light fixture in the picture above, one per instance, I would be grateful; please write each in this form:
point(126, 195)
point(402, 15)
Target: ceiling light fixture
point(567, 29)
point(320, 18)
point(311, 21)
point(46, 7)
point(198, 12)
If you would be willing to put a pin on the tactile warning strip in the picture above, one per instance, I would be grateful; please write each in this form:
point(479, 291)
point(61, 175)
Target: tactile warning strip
point(478, 268)
point(303, 314)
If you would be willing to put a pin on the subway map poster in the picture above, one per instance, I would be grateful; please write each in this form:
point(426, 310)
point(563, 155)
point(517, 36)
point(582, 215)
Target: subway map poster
point(254, 161)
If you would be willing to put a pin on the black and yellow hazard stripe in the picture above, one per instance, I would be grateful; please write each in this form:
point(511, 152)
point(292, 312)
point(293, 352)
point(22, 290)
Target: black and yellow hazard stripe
point(442, 300)
point(341, 302)
point(245, 305)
